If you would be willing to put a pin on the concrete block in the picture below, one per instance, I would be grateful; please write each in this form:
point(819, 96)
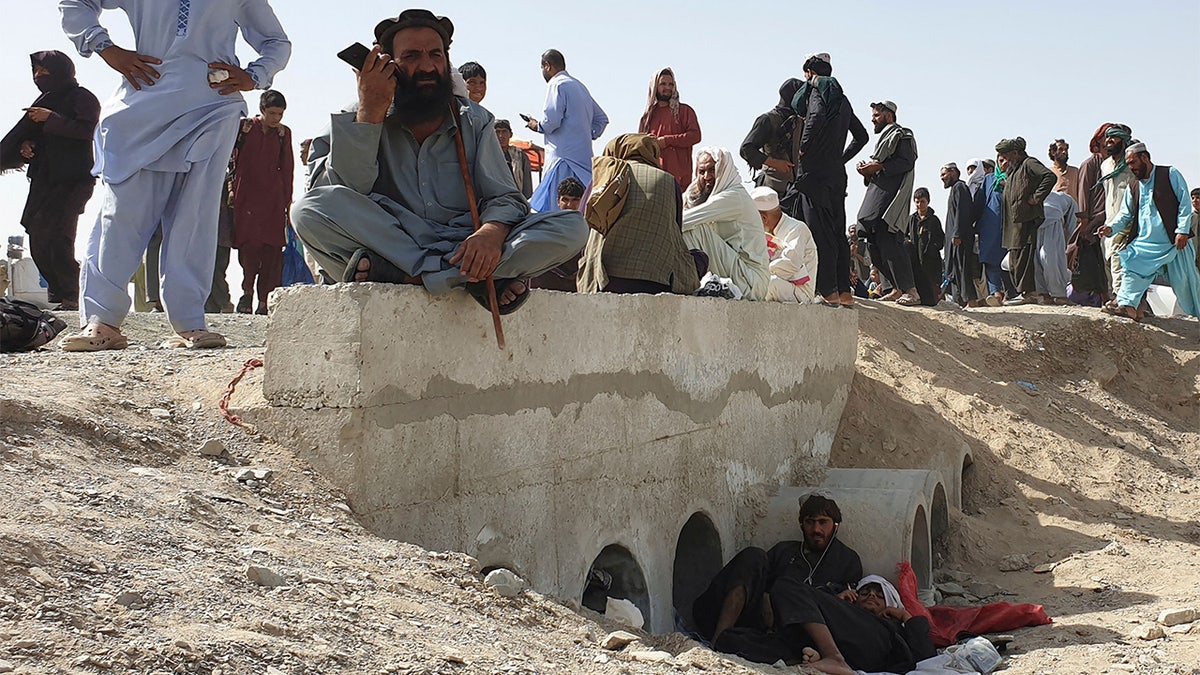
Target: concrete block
point(608, 424)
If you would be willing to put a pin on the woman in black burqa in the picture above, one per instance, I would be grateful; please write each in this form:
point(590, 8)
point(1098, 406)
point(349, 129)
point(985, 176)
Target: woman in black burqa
point(53, 142)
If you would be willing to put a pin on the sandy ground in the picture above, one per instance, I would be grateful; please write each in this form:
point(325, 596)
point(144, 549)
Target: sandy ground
point(124, 549)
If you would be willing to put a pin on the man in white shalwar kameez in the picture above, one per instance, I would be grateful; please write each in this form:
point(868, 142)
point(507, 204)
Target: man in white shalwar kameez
point(720, 219)
point(792, 250)
point(1050, 272)
point(162, 147)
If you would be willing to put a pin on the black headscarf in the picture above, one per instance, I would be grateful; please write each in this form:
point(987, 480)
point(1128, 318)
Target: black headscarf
point(57, 158)
point(786, 92)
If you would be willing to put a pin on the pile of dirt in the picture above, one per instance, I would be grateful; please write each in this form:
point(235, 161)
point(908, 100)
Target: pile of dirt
point(141, 533)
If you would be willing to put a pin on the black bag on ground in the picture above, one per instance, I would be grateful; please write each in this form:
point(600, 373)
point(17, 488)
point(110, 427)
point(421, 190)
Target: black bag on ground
point(25, 327)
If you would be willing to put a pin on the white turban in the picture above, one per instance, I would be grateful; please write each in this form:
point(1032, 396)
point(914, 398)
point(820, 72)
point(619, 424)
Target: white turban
point(890, 595)
point(1136, 148)
point(765, 198)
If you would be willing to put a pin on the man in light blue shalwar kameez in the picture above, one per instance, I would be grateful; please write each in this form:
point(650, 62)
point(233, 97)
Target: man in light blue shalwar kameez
point(1158, 219)
point(162, 147)
point(571, 121)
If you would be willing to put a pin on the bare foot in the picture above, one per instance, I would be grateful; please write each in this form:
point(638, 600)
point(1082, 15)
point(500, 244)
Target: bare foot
point(893, 296)
point(808, 655)
point(514, 290)
point(363, 270)
point(831, 665)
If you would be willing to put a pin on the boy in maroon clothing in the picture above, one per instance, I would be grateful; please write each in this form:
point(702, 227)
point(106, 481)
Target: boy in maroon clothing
point(261, 192)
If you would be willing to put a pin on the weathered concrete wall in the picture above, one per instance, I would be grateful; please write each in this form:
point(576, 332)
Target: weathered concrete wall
point(609, 420)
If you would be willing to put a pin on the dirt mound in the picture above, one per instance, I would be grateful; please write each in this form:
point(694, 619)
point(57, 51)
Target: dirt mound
point(124, 549)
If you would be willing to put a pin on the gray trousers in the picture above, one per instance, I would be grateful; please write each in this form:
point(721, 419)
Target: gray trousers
point(333, 221)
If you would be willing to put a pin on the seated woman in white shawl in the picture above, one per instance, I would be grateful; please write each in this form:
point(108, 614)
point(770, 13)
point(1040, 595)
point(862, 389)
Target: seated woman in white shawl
point(720, 219)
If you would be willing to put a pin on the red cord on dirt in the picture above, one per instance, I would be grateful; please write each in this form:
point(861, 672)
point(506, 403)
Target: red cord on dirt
point(224, 404)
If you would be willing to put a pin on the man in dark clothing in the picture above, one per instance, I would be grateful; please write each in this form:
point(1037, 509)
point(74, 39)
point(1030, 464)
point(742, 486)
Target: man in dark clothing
point(768, 146)
point(962, 262)
point(926, 239)
point(1085, 254)
point(735, 611)
point(1026, 184)
point(819, 190)
point(883, 216)
point(54, 138)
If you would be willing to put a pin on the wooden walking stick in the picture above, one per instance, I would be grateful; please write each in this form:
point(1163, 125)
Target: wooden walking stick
point(475, 220)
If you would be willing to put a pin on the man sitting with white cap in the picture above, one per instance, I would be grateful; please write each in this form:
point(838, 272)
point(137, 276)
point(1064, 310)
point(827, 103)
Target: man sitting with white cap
point(791, 248)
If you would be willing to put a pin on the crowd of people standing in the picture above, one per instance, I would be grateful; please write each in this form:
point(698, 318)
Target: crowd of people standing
point(651, 214)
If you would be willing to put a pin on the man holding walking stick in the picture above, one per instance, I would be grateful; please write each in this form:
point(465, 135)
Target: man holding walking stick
point(387, 199)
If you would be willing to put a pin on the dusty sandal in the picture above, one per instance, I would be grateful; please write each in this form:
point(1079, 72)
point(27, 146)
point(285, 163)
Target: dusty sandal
point(381, 270)
point(91, 340)
point(478, 290)
point(201, 339)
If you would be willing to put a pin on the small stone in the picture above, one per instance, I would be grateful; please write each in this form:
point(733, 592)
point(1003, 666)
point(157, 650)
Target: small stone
point(43, 578)
point(909, 346)
point(160, 413)
point(1148, 631)
point(271, 628)
point(264, 576)
point(1014, 563)
point(1114, 548)
point(651, 656)
point(505, 582)
point(1174, 617)
point(951, 588)
point(617, 640)
point(624, 612)
point(1101, 369)
point(1121, 515)
point(131, 600)
point(212, 448)
point(6, 667)
point(1040, 569)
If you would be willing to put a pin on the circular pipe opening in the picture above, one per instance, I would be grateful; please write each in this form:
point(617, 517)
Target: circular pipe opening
point(615, 573)
point(697, 561)
point(920, 554)
point(939, 525)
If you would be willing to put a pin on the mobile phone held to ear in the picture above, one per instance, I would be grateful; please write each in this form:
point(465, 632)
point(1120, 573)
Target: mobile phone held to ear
point(355, 55)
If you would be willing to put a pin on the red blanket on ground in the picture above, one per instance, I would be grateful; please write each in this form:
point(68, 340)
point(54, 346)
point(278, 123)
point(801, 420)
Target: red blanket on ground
point(947, 624)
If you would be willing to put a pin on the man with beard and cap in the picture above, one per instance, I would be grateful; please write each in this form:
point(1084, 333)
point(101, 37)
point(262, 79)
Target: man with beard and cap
point(518, 161)
point(961, 260)
point(386, 199)
point(824, 118)
point(1026, 184)
point(570, 120)
point(720, 219)
point(1115, 176)
point(673, 124)
point(635, 212)
point(1085, 254)
point(54, 139)
point(739, 611)
point(768, 146)
point(1068, 176)
point(1155, 224)
point(791, 248)
point(883, 217)
point(163, 146)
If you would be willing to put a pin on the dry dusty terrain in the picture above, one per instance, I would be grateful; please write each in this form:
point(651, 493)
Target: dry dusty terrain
point(124, 549)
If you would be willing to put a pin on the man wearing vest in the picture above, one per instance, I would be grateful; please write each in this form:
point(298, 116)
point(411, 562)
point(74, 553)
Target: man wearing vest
point(1157, 219)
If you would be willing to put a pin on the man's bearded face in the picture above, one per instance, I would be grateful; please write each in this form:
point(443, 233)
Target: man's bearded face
point(665, 90)
point(706, 174)
point(1060, 153)
point(880, 117)
point(1114, 146)
point(423, 87)
point(1140, 165)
